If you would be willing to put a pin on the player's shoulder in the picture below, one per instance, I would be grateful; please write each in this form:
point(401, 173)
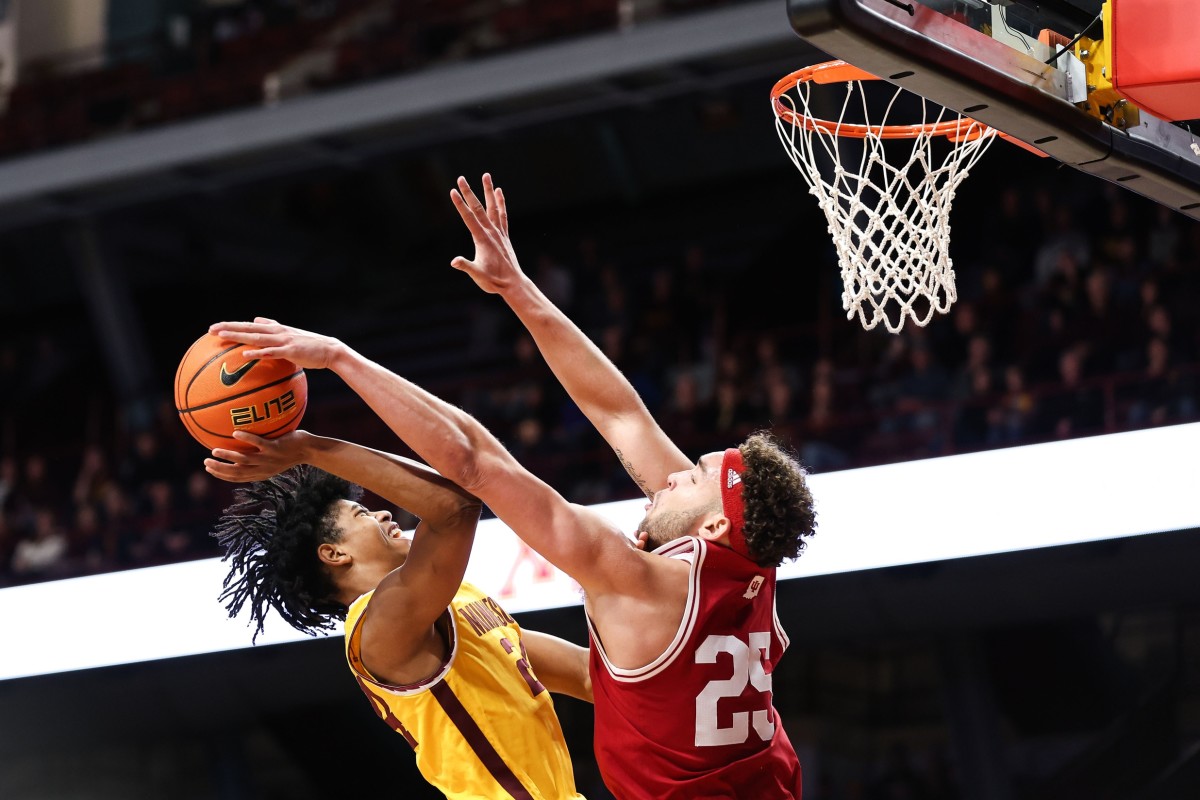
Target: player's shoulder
point(468, 592)
point(359, 605)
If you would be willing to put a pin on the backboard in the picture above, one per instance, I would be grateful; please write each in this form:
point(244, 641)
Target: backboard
point(1040, 72)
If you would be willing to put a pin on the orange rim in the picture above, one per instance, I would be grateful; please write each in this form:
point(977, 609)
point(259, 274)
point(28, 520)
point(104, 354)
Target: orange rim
point(961, 129)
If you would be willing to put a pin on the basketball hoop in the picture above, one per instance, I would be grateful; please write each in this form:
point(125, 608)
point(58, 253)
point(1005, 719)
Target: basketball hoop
point(889, 218)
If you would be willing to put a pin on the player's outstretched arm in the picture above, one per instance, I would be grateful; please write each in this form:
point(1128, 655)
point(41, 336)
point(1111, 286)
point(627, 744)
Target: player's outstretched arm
point(579, 541)
point(404, 482)
point(410, 599)
point(596, 385)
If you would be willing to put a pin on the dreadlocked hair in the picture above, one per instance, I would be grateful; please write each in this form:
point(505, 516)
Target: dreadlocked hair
point(779, 511)
point(270, 534)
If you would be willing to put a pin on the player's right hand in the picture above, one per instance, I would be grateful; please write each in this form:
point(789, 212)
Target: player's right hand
point(267, 457)
point(266, 338)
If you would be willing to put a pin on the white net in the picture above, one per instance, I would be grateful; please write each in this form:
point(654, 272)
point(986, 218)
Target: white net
point(889, 213)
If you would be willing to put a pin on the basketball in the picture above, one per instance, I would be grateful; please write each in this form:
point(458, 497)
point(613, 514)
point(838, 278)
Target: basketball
point(217, 392)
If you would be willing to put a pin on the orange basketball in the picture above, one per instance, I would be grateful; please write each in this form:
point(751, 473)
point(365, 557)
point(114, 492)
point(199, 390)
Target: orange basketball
point(217, 392)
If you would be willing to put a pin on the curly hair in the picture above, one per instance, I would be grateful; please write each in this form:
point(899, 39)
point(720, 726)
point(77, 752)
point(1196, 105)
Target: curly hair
point(779, 506)
point(270, 534)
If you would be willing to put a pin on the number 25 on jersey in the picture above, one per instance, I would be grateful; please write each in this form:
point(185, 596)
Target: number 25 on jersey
point(747, 669)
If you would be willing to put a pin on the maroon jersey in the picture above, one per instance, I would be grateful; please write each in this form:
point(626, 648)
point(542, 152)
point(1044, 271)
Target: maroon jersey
point(698, 722)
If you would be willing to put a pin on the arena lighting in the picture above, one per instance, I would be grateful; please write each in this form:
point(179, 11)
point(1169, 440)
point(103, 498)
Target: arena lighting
point(1019, 498)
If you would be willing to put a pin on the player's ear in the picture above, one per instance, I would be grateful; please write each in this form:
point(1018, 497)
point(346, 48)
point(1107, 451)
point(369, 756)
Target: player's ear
point(332, 554)
point(714, 527)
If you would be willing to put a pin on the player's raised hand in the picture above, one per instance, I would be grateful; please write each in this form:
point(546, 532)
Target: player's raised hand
point(494, 267)
point(266, 457)
point(266, 338)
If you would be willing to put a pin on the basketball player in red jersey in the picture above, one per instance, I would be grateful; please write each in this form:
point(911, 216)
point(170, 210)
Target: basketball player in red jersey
point(684, 635)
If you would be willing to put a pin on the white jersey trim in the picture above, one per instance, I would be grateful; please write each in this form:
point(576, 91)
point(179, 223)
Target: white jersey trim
point(779, 631)
point(692, 550)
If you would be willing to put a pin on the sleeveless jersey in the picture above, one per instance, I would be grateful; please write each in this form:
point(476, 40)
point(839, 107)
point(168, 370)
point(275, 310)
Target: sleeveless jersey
point(482, 726)
point(698, 722)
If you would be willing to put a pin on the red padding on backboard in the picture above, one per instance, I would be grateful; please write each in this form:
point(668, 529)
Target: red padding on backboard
point(1156, 57)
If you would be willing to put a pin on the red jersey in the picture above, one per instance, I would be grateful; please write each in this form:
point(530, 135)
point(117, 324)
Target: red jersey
point(698, 722)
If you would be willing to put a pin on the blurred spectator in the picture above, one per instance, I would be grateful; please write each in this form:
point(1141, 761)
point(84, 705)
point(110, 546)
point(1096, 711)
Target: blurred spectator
point(93, 477)
point(657, 316)
point(1074, 407)
point(699, 305)
point(978, 356)
point(1163, 240)
point(554, 280)
point(35, 489)
point(1163, 392)
point(1159, 323)
point(821, 448)
point(779, 406)
point(973, 420)
point(144, 462)
point(1065, 242)
point(118, 528)
point(918, 391)
point(1100, 325)
point(685, 417)
point(1049, 337)
point(40, 554)
point(157, 538)
point(202, 500)
point(771, 367)
point(9, 475)
point(998, 309)
point(1115, 242)
point(8, 543)
point(952, 342)
point(84, 541)
point(733, 416)
point(1013, 419)
point(1009, 238)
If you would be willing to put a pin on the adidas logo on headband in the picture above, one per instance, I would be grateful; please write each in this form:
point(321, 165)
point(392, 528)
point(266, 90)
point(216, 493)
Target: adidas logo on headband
point(731, 500)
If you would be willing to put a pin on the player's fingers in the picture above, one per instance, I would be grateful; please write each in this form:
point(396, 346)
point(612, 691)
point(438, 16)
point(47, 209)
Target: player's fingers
point(461, 264)
point(468, 216)
point(220, 469)
point(489, 197)
point(252, 439)
point(244, 332)
point(226, 458)
point(469, 195)
point(230, 327)
point(501, 211)
point(265, 321)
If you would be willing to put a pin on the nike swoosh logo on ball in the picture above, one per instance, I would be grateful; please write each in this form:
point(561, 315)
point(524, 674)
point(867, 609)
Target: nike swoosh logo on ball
point(230, 378)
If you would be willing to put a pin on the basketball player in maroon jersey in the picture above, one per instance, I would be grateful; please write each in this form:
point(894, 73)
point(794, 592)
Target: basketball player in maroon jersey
point(684, 635)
